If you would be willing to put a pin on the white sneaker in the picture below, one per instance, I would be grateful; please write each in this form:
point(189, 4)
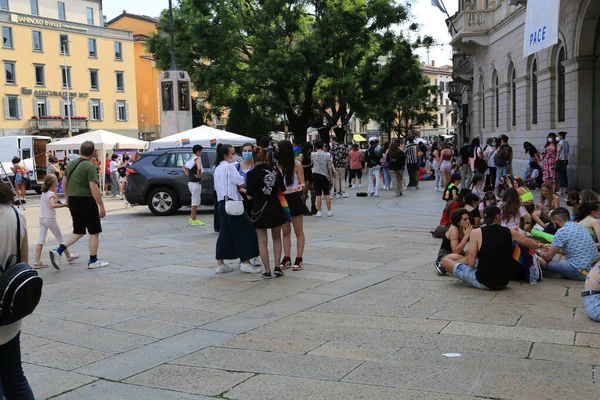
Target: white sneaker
point(329, 214)
point(436, 189)
point(97, 264)
point(318, 214)
point(74, 256)
point(249, 268)
point(256, 262)
point(338, 196)
point(344, 195)
point(55, 258)
point(360, 186)
point(353, 187)
point(223, 268)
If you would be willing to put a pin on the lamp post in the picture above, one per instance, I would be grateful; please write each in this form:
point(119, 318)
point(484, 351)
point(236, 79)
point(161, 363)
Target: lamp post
point(172, 36)
point(144, 122)
point(68, 85)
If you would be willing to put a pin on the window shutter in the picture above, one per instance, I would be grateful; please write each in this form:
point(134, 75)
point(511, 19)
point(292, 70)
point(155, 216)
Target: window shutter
point(101, 111)
point(35, 108)
point(91, 104)
point(62, 109)
point(48, 112)
point(73, 108)
point(20, 116)
point(126, 111)
point(117, 111)
point(6, 107)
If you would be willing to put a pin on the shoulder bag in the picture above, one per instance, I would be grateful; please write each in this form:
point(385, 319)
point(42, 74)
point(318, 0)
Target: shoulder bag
point(232, 207)
point(480, 164)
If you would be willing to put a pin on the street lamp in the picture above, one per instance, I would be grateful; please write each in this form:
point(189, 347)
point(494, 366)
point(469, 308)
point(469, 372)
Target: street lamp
point(67, 84)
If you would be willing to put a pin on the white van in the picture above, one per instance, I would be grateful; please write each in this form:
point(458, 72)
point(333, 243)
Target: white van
point(32, 151)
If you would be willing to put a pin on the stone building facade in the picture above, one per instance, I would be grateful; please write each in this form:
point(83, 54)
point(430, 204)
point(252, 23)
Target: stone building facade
point(557, 89)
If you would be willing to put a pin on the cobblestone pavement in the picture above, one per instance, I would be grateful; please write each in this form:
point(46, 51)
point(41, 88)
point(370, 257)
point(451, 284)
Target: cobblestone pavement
point(367, 319)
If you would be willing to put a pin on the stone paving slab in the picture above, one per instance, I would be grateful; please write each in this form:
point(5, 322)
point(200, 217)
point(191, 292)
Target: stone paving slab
point(573, 354)
point(62, 356)
point(104, 390)
point(49, 382)
point(250, 341)
point(497, 331)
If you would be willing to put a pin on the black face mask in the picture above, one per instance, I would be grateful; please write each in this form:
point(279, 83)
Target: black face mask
point(570, 203)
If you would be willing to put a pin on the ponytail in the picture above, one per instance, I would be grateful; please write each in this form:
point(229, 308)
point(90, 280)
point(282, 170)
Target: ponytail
point(49, 181)
point(222, 151)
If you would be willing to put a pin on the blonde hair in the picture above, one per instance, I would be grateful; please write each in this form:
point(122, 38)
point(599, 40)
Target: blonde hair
point(49, 181)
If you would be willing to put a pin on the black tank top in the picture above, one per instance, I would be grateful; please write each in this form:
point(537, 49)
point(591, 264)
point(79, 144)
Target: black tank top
point(307, 166)
point(495, 257)
point(446, 244)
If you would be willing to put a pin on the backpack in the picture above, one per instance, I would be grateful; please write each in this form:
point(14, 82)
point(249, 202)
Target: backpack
point(502, 157)
point(122, 171)
point(372, 160)
point(398, 161)
point(20, 286)
point(448, 192)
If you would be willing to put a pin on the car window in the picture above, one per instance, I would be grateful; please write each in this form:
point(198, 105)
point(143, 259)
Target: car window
point(178, 159)
point(162, 160)
point(208, 159)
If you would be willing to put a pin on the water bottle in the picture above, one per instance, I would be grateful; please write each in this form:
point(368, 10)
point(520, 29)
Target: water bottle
point(534, 274)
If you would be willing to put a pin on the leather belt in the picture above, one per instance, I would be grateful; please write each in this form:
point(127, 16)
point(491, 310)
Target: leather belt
point(589, 293)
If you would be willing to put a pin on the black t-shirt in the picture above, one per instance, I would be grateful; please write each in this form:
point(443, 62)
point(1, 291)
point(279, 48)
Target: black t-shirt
point(396, 161)
point(262, 184)
point(474, 213)
point(464, 154)
point(496, 264)
point(532, 151)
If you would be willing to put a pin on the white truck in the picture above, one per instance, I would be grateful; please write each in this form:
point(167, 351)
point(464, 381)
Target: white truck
point(32, 151)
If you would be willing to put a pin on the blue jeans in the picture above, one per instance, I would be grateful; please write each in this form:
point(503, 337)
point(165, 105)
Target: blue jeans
point(387, 178)
point(592, 306)
point(565, 269)
point(468, 275)
point(14, 384)
point(500, 172)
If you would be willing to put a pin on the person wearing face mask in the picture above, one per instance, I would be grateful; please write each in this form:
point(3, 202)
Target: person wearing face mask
point(244, 168)
point(193, 170)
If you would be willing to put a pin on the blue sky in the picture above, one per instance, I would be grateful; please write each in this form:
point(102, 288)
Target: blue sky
point(432, 20)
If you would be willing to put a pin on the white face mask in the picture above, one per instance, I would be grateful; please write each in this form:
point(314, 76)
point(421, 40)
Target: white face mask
point(550, 140)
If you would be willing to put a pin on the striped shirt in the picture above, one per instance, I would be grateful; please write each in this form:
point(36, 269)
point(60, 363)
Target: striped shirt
point(411, 152)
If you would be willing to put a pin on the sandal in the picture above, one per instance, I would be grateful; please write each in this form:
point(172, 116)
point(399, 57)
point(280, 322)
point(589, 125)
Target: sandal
point(39, 265)
point(74, 256)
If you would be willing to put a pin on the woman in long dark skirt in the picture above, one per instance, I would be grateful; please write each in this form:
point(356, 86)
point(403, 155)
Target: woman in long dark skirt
point(237, 238)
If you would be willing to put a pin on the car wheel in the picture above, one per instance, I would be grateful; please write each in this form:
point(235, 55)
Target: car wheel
point(163, 201)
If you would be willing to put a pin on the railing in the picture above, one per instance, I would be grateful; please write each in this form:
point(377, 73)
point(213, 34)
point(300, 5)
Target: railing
point(473, 22)
point(57, 124)
point(462, 64)
point(455, 90)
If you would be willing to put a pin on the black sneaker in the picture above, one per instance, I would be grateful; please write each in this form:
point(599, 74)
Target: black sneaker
point(285, 263)
point(278, 272)
point(438, 268)
point(267, 275)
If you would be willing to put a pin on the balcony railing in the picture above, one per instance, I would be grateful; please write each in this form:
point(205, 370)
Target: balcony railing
point(455, 90)
point(471, 27)
point(57, 124)
point(462, 64)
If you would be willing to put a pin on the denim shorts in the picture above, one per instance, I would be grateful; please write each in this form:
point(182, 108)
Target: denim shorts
point(592, 306)
point(565, 269)
point(19, 179)
point(467, 274)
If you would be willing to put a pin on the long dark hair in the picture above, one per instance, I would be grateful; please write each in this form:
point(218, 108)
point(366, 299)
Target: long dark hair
point(474, 146)
point(511, 204)
point(6, 194)
point(456, 216)
point(307, 150)
point(554, 141)
point(286, 160)
point(222, 151)
point(394, 149)
point(585, 209)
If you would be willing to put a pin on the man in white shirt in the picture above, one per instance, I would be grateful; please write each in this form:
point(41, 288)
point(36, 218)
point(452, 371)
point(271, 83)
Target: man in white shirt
point(193, 170)
point(113, 168)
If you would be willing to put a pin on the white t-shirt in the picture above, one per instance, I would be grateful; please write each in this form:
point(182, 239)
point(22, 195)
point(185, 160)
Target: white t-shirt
point(535, 173)
point(46, 211)
point(8, 246)
point(490, 150)
point(113, 167)
point(515, 221)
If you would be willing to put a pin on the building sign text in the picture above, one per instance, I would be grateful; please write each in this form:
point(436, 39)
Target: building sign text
point(53, 93)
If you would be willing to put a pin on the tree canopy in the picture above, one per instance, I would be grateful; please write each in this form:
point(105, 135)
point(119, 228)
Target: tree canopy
point(310, 60)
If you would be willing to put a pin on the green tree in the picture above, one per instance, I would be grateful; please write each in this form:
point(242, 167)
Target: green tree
point(244, 120)
point(300, 58)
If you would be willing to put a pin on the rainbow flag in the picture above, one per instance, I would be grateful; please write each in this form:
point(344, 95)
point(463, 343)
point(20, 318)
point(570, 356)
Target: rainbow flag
point(285, 206)
point(213, 143)
point(177, 143)
point(185, 142)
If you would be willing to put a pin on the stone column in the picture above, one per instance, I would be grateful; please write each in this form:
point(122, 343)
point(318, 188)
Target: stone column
point(546, 99)
point(504, 104)
point(176, 102)
point(523, 104)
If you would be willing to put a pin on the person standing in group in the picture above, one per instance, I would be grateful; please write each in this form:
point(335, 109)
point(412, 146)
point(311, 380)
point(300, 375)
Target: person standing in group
point(122, 166)
point(396, 160)
point(262, 187)
point(562, 161)
point(489, 153)
point(533, 154)
point(237, 237)
point(83, 195)
point(355, 158)
point(339, 152)
point(322, 176)
point(503, 161)
point(292, 176)
point(465, 169)
point(13, 383)
point(243, 167)
point(48, 205)
point(114, 175)
point(445, 165)
point(373, 163)
point(193, 170)
point(307, 164)
point(475, 153)
point(385, 167)
point(549, 154)
point(54, 169)
point(265, 142)
point(412, 165)
point(435, 164)
point(21, 177)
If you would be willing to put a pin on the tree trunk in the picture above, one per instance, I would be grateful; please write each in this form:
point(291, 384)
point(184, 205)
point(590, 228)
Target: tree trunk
point(298, 126)
point(340, 134)
point(324, 134)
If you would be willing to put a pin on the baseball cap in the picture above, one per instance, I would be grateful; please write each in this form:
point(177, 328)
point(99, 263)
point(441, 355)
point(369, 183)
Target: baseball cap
point(372, 140)
point(489, 213)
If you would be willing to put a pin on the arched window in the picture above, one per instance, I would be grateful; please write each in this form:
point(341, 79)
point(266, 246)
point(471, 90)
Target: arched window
point(497, 97)
point(561, 82)
point(482, 100)
point(534, 93)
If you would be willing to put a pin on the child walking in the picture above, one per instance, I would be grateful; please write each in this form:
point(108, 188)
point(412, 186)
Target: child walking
point(48, 207)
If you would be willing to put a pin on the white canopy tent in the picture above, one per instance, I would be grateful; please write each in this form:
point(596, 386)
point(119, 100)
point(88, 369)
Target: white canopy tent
point(201, 135)
point(104, 141)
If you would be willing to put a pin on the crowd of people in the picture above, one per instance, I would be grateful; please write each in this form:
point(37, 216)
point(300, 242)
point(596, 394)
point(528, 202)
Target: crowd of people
point(494, 228)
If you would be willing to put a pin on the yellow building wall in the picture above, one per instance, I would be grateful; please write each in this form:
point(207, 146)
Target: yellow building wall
point(80, 64)
point(137, 26)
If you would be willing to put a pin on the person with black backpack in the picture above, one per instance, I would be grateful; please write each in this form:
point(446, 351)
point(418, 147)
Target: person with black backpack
point(396, 160)
point(13, 236)
point(503, 160)
point(373, 161)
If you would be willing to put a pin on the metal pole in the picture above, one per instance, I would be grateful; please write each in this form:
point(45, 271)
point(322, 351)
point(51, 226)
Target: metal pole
point(172, 35)
point(68, 84)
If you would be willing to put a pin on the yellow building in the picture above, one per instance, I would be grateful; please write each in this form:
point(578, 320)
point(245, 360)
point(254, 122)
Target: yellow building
point(59, 61)
point(147, 75)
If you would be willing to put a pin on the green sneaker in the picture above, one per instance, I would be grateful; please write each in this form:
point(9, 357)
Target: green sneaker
point(196, 222)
